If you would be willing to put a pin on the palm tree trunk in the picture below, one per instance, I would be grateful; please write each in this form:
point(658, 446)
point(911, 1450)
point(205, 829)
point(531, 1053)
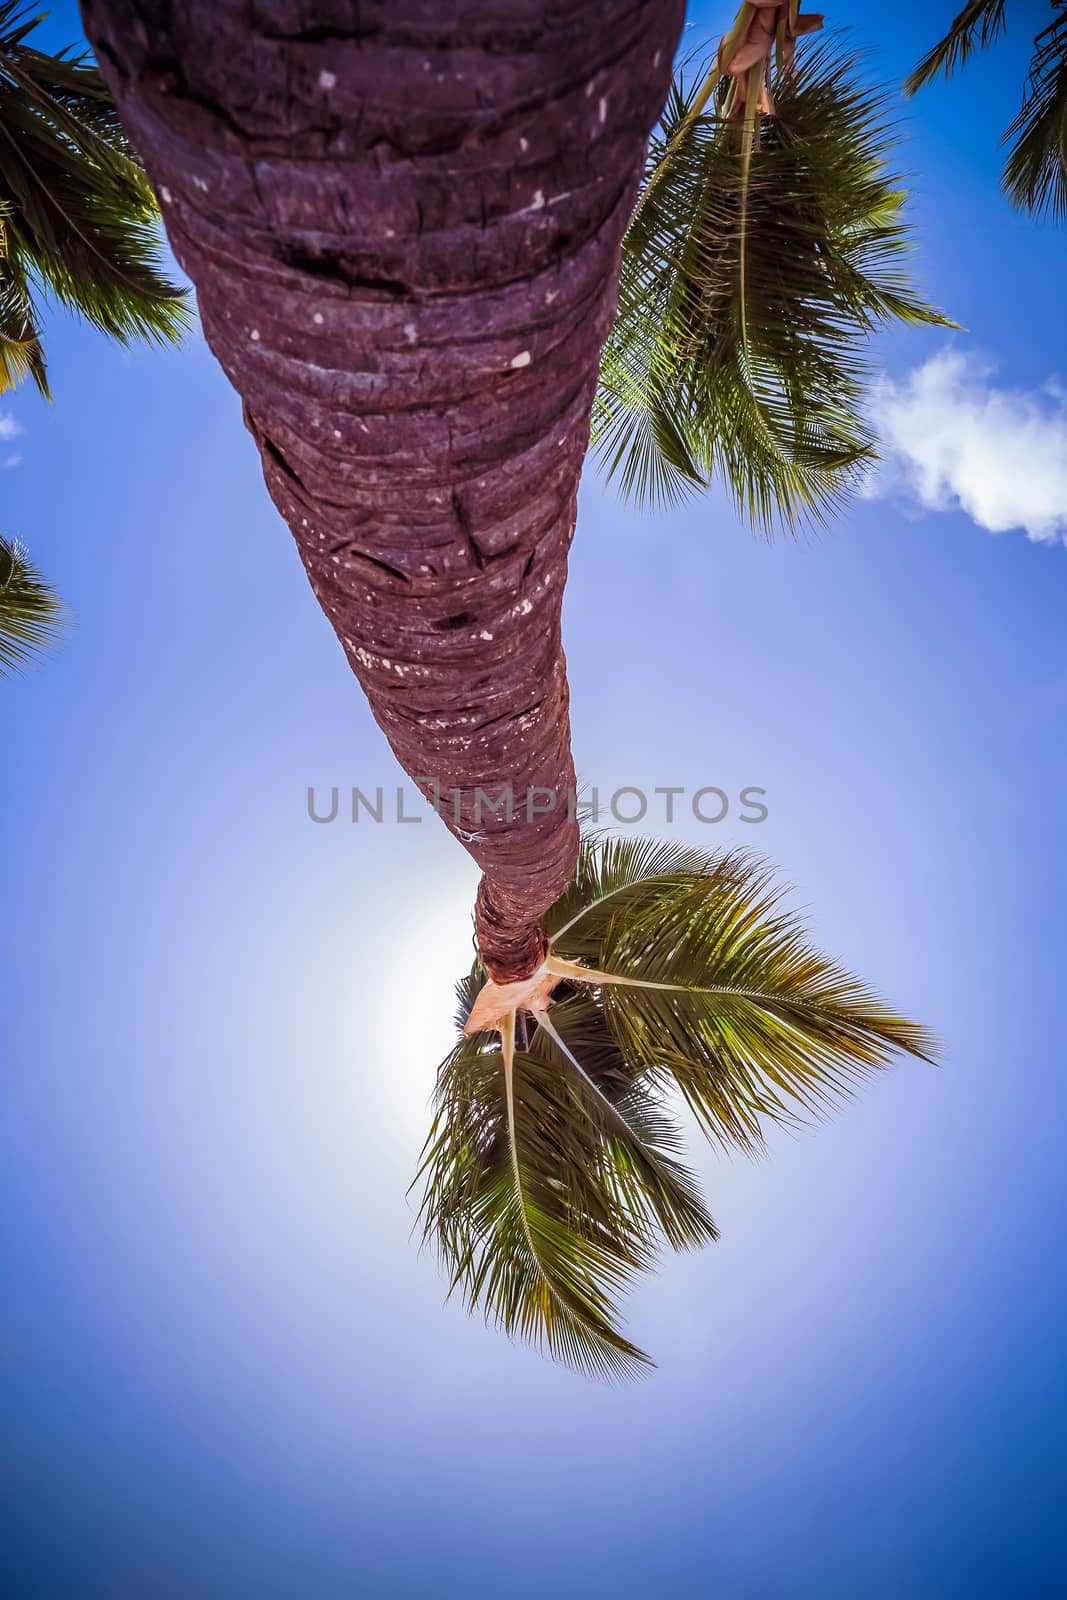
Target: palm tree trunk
point(402, 220)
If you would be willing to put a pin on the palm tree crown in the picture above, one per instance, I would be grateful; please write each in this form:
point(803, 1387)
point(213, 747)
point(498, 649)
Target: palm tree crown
point(77, 213)
point(767, 245)
point(552, 1169)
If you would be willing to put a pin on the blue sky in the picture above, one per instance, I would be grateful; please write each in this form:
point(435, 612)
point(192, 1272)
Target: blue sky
point(229, 1370)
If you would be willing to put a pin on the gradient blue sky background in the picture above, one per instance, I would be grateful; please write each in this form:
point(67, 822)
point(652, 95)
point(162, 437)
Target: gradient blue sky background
point(228, 1370)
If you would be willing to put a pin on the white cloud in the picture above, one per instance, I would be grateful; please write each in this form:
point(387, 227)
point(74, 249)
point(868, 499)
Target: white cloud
point(952, 440)
point(10, 427)
point(10, 461)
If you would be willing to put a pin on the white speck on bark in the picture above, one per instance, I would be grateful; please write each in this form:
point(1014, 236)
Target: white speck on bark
point(602, 109)
point(522, 359)
point(165, 195)
point(537, 203)
point(254, 335)
point(319, 318)
point(524, 145)
point(485, 635)
point(411, 333)
point(337, 433)
point(327, 80)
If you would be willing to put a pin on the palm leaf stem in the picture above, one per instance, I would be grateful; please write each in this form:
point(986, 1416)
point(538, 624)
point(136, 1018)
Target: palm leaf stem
point(507, 1049)
point(723, 56)
point(749, 136)
point(544, 1021)
point(575, 972)
point(601, 899)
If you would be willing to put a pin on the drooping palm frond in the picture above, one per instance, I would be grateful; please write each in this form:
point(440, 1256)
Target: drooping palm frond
point(21, 355)
point(519, 1204)
point(761, 256)
point(975, 28)
point(1035, 171)
point(551, 1171)
point(79, 217)
point(31, 614)
point(721, 988)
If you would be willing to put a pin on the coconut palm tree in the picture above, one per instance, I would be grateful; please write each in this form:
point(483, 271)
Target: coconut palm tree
point(405, 235)
point(78, 218)
point(31, 615)
point(1035, 171)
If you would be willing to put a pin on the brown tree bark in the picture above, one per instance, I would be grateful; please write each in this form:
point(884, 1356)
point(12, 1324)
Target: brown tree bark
point(402, 218)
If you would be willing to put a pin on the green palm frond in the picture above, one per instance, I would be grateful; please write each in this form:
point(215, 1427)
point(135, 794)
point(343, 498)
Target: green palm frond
point(975, 28)
point(611, 873)
point(80, 219)
point(31, 614)
point(551, 1171)
point(519, 1199)
point(21, 354)
point(753, 1024)
point(761, 256)
point(1035, 172)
